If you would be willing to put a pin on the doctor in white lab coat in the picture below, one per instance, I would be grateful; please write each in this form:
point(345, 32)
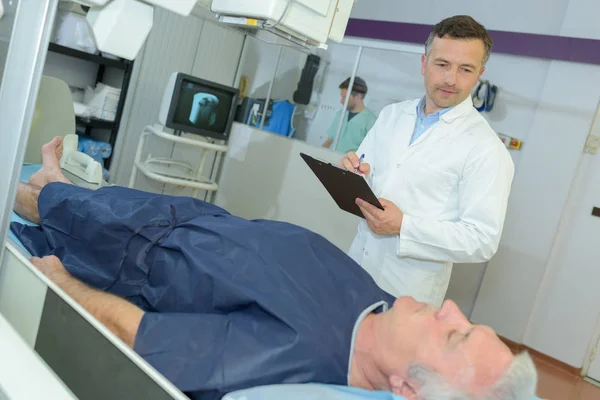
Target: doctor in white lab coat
point(442, 175)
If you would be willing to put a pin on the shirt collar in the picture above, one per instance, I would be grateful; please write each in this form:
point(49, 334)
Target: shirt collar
point(452, 113)
point(436, 115)
point(383, 307)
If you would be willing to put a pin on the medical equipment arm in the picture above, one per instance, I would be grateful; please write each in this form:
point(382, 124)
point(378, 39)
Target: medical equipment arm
point(121, 27)
point(117, 314)
point(483, 196)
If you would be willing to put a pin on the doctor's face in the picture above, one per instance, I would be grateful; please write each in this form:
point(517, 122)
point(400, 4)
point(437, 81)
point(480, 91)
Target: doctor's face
point(469, 357)
point(451, 71)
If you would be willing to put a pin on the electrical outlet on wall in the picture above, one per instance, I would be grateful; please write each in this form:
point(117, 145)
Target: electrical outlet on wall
point(592, 145)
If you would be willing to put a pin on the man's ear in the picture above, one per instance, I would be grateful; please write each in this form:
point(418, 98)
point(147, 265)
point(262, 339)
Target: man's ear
point(401, 387)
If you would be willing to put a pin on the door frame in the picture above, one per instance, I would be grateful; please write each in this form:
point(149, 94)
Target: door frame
point(594, 347)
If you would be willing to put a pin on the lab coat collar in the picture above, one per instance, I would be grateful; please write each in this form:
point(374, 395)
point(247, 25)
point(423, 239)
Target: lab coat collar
point(459, 110)
point(456, 112)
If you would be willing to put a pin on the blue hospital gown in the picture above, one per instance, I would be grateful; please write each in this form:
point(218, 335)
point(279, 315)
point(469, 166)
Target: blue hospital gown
point(230, 303)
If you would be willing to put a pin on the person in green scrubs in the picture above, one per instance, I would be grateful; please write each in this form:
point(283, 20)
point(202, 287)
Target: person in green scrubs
point(358, 119)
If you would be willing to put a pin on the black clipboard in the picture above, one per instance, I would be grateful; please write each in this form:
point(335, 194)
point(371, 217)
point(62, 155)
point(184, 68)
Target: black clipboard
point(343, 186)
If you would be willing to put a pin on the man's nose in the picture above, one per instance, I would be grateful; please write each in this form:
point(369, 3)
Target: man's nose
point(451, 76)
point(451, 312)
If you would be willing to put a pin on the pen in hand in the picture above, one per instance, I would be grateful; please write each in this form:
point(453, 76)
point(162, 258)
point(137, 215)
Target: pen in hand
point(360, 160)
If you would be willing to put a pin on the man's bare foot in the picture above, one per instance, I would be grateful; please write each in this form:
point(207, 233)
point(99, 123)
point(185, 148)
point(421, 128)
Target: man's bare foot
point(50, 171)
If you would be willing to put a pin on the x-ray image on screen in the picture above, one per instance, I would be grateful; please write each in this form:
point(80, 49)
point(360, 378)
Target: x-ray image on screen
point(204, 109)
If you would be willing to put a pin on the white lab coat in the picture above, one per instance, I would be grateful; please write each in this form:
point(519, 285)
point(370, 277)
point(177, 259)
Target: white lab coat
point(452, 185)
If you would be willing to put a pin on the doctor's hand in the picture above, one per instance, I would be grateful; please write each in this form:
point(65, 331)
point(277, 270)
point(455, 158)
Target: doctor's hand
point(382, 222)
point(351, 162)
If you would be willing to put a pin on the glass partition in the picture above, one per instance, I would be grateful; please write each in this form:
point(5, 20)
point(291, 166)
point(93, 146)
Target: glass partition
point(279, 88)
point(390, 76)
point(287, 92)
point(258, 66)
point(301, 87)
point(318, 122)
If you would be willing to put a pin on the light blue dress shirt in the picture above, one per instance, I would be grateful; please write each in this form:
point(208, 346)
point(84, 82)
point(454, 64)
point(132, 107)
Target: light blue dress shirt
point(425, 122)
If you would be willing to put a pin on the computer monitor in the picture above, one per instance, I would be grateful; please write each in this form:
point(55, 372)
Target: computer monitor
point(198, 106)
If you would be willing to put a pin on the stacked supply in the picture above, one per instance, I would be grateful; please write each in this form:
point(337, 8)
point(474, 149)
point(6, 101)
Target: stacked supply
point(71, 29)
point(102, 102)
point(96, 149)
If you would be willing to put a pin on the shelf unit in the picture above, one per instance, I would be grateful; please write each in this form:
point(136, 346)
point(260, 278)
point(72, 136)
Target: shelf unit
point(103, 63)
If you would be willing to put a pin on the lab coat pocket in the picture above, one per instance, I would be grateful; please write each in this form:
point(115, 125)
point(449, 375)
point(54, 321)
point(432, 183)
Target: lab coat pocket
point(428, 191)
point(407, 277)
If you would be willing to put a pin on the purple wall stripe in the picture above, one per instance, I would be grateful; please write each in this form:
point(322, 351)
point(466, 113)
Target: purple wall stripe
point(520, 44)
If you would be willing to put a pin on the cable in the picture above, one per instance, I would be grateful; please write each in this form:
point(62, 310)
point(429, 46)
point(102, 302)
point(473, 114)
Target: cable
point(295, 46)
point(283, 14)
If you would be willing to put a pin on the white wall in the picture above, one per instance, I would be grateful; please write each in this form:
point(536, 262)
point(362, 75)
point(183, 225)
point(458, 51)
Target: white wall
point(176, 44)
point(288, 74)
point(546, 170)
point(570, 286)
point(258, 64)
point(508, 15)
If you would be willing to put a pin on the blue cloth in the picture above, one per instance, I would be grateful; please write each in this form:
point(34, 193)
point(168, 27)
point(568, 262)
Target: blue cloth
point(281, 119)
point(424, 122)
point(94, 148)
point(230, 303)
point(97, 150)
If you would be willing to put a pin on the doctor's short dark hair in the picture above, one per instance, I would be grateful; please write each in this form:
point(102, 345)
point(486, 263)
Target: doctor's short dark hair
point(461, 27)
point(359, 86)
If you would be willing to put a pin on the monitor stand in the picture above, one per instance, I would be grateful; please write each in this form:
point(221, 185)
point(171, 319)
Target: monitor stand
point(172, 171)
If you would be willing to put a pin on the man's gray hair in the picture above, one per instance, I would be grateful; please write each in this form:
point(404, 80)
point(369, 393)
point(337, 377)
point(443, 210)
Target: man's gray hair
point(461, 27)
point(519, 382)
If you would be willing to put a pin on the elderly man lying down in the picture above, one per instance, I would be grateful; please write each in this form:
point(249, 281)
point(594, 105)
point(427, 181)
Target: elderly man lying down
point(217, 303)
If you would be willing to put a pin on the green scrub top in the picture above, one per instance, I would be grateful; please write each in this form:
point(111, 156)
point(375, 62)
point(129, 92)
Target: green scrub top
point(353, 131)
